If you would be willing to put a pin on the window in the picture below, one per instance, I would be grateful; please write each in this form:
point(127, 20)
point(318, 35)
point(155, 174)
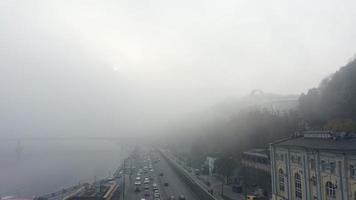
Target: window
point(293, 159)
point(330, 189)
point(323, 165)
point(281, 180)
point(299, 160)
point(352, 171)
point(332, 167)
point(313, 180)
point(280, 157)
point(312, 163)
point(298, 186)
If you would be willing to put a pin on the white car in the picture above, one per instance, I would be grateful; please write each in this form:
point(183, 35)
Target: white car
point(154, 185)
point(137, 183)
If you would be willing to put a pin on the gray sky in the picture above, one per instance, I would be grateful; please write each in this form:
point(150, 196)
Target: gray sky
point(107, 67)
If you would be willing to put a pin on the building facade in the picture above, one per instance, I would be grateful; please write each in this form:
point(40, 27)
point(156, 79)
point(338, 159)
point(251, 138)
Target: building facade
point(256, 169)
point(314, 165)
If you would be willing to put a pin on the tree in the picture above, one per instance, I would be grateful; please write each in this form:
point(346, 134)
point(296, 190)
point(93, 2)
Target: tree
point(225, 166)
point(341, 125)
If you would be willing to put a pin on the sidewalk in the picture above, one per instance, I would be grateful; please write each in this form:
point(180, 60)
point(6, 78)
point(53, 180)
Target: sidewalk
point(215, 184)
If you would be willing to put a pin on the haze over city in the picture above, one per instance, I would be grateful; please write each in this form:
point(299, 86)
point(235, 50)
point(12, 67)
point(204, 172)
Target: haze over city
point(88, 86)
point(118, 67)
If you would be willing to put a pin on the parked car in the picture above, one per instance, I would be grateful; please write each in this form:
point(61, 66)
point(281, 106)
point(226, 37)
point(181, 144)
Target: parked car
point(237, 188)
point(181, 197)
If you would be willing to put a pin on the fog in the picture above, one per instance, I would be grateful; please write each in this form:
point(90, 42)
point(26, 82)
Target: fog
point(132, 68)
point(127, 67)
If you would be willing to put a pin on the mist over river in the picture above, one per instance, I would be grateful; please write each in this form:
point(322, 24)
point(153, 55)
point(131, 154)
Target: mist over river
point(33, 167)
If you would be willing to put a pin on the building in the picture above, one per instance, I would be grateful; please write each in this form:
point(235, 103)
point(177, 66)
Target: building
point(256, 169)
point(210, 162)
point(314, 165)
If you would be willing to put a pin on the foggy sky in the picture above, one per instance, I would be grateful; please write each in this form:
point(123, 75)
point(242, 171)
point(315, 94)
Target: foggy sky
point(85, 67)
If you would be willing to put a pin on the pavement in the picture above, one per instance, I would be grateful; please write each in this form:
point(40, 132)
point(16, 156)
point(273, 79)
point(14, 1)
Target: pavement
point(215, 185)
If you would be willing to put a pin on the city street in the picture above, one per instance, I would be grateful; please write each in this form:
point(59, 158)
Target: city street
point(169, 184)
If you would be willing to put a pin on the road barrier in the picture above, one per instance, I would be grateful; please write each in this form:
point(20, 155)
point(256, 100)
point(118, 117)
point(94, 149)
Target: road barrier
point(186, 177)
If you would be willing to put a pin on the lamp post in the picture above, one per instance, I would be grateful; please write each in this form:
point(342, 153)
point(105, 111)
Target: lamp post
point(123, 183)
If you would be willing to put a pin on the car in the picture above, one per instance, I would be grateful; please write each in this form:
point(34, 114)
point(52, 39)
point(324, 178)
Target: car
point(181, 197)
point(146, 187)
point(138, 178)
point(166, 184)
point(147, 194)
point(137, 189)
point(161, 174)
point(137, 183)
point(156, 195)
point(251, 197)
point(156, 191)
point(172, 197)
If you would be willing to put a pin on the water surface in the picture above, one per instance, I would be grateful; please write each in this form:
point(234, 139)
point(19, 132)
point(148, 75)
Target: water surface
point(47, 166)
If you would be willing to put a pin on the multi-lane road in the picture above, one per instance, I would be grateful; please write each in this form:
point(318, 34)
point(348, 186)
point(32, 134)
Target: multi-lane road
point(168, 182)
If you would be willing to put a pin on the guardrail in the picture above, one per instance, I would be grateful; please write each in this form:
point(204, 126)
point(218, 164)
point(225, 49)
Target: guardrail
point(196, 186)
point(61, 192)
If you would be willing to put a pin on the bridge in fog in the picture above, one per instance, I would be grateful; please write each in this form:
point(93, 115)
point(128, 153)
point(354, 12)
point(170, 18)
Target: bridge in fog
point(134, 139)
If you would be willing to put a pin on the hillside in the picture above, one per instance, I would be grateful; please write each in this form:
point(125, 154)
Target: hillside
point(333, 103)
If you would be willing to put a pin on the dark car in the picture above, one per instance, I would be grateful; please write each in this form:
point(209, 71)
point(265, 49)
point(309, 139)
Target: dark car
point(166, 184)
point(181, 197)
point(237, 188)
point(161, 174)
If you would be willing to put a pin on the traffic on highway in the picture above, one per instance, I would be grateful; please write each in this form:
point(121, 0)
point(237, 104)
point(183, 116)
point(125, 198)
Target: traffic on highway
point(148, 176)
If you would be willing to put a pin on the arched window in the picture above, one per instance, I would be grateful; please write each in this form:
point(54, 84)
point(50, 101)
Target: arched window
point(281, 180)
point(330, 189)
point(298, 186)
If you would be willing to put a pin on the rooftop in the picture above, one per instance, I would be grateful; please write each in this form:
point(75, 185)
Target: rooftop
point(257, 152)
point(321, 140)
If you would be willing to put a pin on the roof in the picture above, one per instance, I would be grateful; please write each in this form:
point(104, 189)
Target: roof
point(332, 144)
point(257, 152)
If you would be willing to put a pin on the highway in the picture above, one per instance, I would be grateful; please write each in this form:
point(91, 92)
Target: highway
point(162, 173)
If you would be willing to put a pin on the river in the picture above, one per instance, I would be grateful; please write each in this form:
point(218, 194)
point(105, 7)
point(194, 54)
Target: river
point(29, 168)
